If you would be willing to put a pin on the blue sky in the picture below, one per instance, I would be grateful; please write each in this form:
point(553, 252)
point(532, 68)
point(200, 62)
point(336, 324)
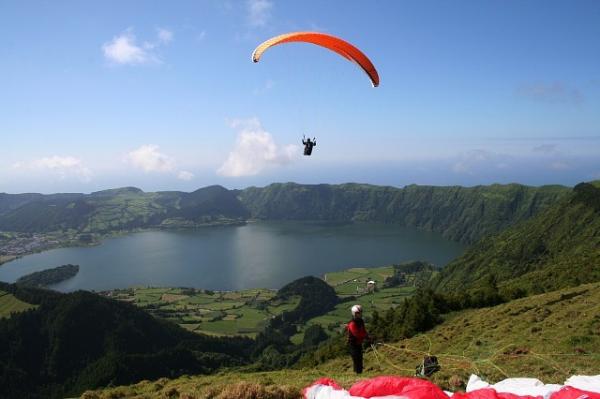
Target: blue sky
point(163, 95)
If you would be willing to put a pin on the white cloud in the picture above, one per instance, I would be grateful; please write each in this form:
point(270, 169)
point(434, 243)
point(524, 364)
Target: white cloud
point(259, 12)
point(255, 150)
point(149, 159)
point(125, 50)
point(164, 36)
point(185, 175)
point(63, 167)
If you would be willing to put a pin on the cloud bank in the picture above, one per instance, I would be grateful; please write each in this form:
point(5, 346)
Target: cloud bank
point(58, 166)
point(149, 159)
point(125, 50)
point(185, 175)
point(255, 150)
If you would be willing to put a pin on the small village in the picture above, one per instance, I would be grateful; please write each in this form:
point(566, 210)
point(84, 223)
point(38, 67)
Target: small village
point(14, 245)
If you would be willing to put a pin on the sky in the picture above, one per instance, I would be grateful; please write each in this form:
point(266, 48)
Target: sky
point(164, 95)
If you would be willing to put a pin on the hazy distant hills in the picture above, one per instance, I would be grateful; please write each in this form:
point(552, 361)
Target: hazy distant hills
point(559, 247)
point(459, 213)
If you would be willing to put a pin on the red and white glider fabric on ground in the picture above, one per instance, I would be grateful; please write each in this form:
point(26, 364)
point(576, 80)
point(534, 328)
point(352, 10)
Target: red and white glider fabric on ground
point(389, 387)
point(378, 387)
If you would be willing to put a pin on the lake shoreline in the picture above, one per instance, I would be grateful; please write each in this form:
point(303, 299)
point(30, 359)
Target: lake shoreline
point(257, 254)
point(98, 238)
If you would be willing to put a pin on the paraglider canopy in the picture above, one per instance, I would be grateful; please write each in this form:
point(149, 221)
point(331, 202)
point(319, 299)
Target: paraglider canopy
point(329, 42)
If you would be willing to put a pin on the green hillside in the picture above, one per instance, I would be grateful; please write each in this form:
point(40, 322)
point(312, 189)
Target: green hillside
point(459, 213)
point(119, 209)
point(9, 202)
point(549, 336)
point(560, 247)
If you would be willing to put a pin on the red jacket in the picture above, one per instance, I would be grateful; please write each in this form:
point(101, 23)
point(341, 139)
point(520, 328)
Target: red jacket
point(356, 332)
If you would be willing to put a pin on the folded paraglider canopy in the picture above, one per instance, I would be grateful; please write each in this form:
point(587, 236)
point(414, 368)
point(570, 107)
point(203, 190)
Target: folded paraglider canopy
point(575, 387)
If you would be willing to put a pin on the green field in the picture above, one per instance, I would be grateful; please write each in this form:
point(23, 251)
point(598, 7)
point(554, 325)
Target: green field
point(335, 321)
point(354, 281)
point(215, 313)
point(10, 304)
point(247, 312)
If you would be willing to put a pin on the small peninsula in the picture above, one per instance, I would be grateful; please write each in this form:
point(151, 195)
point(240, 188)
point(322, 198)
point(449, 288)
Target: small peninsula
point(48, 277)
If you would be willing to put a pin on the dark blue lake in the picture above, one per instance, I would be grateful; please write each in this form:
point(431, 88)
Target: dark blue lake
point(261, 254)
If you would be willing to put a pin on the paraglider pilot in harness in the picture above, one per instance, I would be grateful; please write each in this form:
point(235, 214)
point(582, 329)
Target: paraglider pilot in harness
point(356, 335)
point(308, 145)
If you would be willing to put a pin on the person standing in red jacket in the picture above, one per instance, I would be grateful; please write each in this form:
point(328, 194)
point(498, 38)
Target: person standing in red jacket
point(356, 335)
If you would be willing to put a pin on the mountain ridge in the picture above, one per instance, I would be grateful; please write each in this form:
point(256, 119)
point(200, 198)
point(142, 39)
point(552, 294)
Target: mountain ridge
point(557, 248)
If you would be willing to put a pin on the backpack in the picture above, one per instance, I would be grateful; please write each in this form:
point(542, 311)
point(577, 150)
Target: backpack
point(429, 366)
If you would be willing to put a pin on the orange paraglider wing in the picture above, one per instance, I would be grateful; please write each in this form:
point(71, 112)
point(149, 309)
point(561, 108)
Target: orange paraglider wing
point(332, 43)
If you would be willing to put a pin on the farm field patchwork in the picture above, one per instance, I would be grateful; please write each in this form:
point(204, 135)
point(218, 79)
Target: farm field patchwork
point(247, 312)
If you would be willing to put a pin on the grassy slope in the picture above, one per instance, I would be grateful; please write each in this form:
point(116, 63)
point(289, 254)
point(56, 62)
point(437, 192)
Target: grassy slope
point(10, 304)
point(549, 336)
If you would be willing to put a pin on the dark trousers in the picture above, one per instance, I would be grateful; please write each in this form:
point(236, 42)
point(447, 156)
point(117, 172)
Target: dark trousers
point(356, 352)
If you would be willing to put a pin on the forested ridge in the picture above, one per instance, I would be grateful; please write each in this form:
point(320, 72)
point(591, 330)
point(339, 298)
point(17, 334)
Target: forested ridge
point(558, 248)
point(462, 214)
point(458, 213)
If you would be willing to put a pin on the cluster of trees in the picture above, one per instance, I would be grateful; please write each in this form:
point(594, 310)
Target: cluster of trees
point(421, 270)
point(48, 277)
point(273, 348)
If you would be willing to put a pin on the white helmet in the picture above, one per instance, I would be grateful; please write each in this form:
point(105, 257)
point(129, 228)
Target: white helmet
point(356, 309)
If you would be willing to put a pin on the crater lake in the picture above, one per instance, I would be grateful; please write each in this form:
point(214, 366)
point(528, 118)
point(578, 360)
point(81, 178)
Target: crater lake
point(255, 255)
